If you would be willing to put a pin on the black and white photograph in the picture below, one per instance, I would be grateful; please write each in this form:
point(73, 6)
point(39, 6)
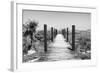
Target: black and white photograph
point(49, 36)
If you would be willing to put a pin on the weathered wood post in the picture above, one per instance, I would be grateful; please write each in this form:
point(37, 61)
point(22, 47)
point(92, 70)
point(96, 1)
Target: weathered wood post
point(56, 32)
point(67, 35)
point(63, 32)
point(45, 37)
point(52, 34)
point(73, 37)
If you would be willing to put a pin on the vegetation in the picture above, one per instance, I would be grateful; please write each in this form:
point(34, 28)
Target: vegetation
point(33, 40)
point(82, 44)
point(28, 35)
point(85, 48)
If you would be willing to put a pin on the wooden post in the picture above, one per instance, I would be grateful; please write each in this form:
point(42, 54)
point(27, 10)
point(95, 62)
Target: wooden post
point(67, 35)
point(63, 32)
point(73, 37)
point(52, 34)
point(56, 32)
point(45, 37)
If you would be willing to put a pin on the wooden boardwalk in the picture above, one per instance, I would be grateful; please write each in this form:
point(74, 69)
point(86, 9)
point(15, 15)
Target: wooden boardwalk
point(57, 50)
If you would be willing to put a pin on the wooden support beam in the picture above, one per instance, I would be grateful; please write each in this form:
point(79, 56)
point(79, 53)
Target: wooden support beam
point(52, 34)
point(45, 37)
point(56, 32)
point(63, 32)
point(67, 35)
point(73, 37)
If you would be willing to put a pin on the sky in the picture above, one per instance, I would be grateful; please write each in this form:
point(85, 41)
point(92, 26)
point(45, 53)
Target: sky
point(59, 20)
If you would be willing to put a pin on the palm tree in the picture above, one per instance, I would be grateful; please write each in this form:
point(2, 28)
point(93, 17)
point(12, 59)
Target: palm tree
point(28, 30)
point(32, 29)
